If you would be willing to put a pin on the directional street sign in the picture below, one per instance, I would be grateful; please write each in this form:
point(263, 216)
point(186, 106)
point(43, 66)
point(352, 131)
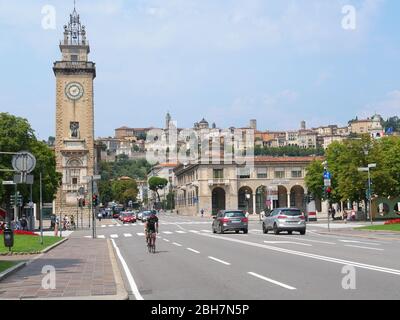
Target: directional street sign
point(327, 182)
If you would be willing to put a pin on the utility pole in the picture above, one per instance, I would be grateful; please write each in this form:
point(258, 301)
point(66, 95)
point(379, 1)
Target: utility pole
point(41, 211)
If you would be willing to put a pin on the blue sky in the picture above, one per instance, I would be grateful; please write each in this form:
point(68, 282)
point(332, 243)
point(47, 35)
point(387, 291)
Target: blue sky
point(279, 61)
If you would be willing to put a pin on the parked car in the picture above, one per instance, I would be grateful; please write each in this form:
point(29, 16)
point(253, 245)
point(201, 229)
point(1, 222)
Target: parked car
point(285, 219)
point(128, 217)
point(230, 220)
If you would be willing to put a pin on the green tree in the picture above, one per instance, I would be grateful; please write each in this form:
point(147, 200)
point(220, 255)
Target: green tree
point(124, 190)
point(156, 184)
point(314, 179)
point(16, 135)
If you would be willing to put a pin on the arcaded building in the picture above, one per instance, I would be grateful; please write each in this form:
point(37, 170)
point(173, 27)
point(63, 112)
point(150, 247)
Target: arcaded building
point(270, 183)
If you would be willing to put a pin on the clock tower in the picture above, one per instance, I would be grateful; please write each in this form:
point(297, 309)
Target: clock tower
point(74, 147)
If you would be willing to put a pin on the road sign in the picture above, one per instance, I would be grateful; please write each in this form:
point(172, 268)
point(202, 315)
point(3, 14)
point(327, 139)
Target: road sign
point(327, 182)
point(327, 175)
point(8, 183)
point(24, 162)
point(20, 178)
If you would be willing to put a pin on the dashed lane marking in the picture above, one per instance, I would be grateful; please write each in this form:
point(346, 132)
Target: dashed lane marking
point(127, 235)
point(272, 281)
point(114, 236)
point(220, 261)
point(195, 251)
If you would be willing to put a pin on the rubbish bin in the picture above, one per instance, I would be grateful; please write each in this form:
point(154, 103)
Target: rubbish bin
point(8, 238)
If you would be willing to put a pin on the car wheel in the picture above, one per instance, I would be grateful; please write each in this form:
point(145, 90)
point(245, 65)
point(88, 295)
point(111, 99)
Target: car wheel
point(265, 230)
point(245, 231)
point(303, 232)
point(237, 231)
point(276, 230)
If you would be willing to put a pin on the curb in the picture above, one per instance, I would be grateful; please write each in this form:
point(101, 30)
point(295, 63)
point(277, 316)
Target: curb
point(54, 245)
point(12, 270)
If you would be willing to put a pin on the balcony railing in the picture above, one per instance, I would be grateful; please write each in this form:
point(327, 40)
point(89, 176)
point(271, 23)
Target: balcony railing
point(214, 182)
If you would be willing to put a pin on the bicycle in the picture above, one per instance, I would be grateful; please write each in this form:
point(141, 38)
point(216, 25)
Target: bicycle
point(151, 242)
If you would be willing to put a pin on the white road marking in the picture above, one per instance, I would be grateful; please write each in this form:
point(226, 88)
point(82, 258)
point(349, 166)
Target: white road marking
point(88, 237)
point(127, 235)
point(195, 251)
point(360, 242)
point(288, 242)
point(129, 276)
point(272, 281)
point(166, 240)
point(111, 225)
point(101, 237)
point(220, 261)
point(103, 226)
point(180, 231)
point(361, 247)
point(140, 234)
point(308, 255)
point(177, 244)
point(194, 231)
point(308, 240)
point(167, 232)
point(207, 231)
point(114, 236)
point(255, 230)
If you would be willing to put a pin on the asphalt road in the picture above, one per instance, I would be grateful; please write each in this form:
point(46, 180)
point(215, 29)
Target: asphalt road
point(192, 263)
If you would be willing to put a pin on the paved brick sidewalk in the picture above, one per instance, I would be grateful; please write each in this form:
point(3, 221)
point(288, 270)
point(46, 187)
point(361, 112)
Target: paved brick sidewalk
point(85, 268)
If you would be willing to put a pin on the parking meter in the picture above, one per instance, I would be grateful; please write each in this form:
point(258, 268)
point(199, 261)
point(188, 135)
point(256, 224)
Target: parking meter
point(8, 238)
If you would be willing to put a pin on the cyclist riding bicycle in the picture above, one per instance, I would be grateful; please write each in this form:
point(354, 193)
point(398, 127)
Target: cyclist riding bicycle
point(151, 228)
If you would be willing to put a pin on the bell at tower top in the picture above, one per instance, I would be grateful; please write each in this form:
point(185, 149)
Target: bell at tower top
point(75, 37)
point(75, 49)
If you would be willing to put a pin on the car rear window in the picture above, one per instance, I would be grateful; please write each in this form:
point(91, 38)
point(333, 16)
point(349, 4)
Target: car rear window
point(291, 212)
point(234, 214)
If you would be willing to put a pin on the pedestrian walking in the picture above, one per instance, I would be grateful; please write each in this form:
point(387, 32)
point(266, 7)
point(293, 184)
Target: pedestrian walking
point(24, 224)
point(202, 213)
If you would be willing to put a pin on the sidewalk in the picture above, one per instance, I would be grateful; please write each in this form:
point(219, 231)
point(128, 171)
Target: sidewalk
point(85, 269)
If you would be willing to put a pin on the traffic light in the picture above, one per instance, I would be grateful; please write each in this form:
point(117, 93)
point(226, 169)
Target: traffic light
point(20, 200)
point(12, 200)
point(95, 200)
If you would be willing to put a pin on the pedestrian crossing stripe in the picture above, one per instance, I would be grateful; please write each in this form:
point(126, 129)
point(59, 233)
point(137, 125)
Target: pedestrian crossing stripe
point(114, 236)
point(180, 231)
point(127, 235)
point(167, 232)
point(194, 231)
point(101, 237)
point(140, 234)
point(207, 231)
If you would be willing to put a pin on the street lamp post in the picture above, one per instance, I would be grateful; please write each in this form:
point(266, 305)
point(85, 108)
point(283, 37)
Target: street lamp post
point(368, 169)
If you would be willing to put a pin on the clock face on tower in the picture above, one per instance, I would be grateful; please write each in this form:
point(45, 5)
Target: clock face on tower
point(74, 91)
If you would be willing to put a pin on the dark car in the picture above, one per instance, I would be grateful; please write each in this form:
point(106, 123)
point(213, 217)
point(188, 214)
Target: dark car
point(230, 220)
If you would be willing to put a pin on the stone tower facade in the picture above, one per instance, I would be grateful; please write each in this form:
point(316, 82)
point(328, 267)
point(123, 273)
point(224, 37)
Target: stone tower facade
point(74, 146)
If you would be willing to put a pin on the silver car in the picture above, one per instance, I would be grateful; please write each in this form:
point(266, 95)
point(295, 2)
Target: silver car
point(285, 219)
point(230, 220)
